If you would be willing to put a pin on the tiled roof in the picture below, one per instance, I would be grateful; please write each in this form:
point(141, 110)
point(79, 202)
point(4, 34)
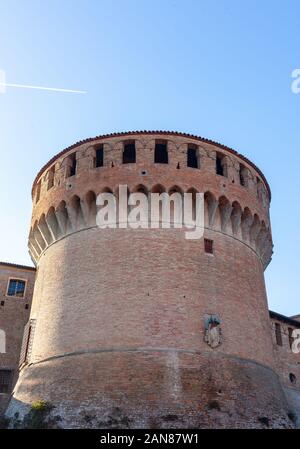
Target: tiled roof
point(285, 319)
point(15, 265)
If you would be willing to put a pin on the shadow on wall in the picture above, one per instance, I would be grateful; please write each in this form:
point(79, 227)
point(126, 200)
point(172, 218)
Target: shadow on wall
point(293, 398)
point(36, 415)
point(155, 390)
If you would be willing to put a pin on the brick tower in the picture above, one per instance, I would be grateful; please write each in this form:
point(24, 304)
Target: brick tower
point(142, 327)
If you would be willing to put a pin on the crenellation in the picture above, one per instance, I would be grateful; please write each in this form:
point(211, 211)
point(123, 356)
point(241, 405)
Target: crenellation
point(177, 148)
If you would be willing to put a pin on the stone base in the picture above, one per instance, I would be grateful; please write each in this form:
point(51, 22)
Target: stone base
point(154, 388)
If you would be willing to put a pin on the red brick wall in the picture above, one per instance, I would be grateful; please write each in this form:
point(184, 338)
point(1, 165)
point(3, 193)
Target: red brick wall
point(287, 362)
point(13, 317)
point(120, 313)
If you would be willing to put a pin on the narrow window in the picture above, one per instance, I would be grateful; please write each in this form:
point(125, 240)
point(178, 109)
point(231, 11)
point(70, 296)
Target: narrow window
point(293, 378)
point(5, 380)
point(51, 174)
point(278, 334)
point(260, 190)
point(221, 168)
point(243, 176)
point(192, 157)
point(129, 156)
point(99, 156)
point(27, 342)
point(258, 187)
point(73, 164)
point(38, 192)
point(209, 246)
point(161, 152)
point(16, 287)
point(291, 339)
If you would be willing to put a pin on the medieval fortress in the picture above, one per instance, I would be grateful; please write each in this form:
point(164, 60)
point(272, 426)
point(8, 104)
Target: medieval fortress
point(143, 327)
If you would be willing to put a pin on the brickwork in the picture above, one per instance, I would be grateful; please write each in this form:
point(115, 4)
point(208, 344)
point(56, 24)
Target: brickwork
point(120, 313)
point(14, 314)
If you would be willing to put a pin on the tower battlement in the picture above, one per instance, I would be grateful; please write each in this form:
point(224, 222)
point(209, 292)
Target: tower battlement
point(236, 193)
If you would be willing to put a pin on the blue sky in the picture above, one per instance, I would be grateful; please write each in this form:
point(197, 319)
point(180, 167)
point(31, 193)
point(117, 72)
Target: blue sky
point(219, 69)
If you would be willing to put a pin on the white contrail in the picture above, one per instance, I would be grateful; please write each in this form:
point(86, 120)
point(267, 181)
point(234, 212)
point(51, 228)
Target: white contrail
point(54, 89)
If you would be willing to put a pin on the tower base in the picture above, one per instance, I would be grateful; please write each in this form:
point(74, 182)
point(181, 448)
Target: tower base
point(152, 388)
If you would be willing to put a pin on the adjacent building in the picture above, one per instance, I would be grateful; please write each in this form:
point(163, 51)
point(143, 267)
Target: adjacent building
point(16, 290)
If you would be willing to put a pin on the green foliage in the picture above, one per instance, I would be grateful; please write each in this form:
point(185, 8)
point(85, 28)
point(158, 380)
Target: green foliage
point(39, 416)
point(41, 406)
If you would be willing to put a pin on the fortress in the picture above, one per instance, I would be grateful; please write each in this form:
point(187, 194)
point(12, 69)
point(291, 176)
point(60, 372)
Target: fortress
point(142, 327)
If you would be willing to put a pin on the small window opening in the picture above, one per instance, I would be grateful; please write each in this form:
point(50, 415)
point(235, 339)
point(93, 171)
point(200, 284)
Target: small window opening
point(51, 175)
point(99, 156)
point(73, 165)
point(5, 380)
point(221, 168)
point(161, 153)
point(209, 246)
point(38, 192)
point(243, 176)
point(192, 157)
point(291, 338)
point(278, 334)
point(129, 153)
point(293, 378)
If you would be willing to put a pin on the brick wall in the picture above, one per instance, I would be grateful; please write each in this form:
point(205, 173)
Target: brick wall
point(119, 314)
point(14, 314)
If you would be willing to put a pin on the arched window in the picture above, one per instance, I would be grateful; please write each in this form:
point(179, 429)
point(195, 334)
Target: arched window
point(129, 154)
point(161, 152)
point(193, 156)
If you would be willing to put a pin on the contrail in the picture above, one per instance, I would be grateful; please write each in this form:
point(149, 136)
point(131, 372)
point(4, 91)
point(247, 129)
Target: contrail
point(53, 89)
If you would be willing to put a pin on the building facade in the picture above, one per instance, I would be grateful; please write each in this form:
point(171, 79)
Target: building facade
point(16, 289)
point(137, 327)
point(287, 362)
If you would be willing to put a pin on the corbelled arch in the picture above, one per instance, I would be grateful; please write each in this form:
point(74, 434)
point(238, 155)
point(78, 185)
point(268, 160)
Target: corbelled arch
point(225, 209)
point(210, 208)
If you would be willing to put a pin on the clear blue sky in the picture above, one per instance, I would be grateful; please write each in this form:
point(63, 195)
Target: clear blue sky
point(219, 69)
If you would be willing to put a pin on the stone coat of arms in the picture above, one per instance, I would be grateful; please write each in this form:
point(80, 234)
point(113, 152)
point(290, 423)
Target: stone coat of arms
point(213, 332)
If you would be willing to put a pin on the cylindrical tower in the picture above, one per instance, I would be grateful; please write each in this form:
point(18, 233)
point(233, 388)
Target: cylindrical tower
point(143, 327)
